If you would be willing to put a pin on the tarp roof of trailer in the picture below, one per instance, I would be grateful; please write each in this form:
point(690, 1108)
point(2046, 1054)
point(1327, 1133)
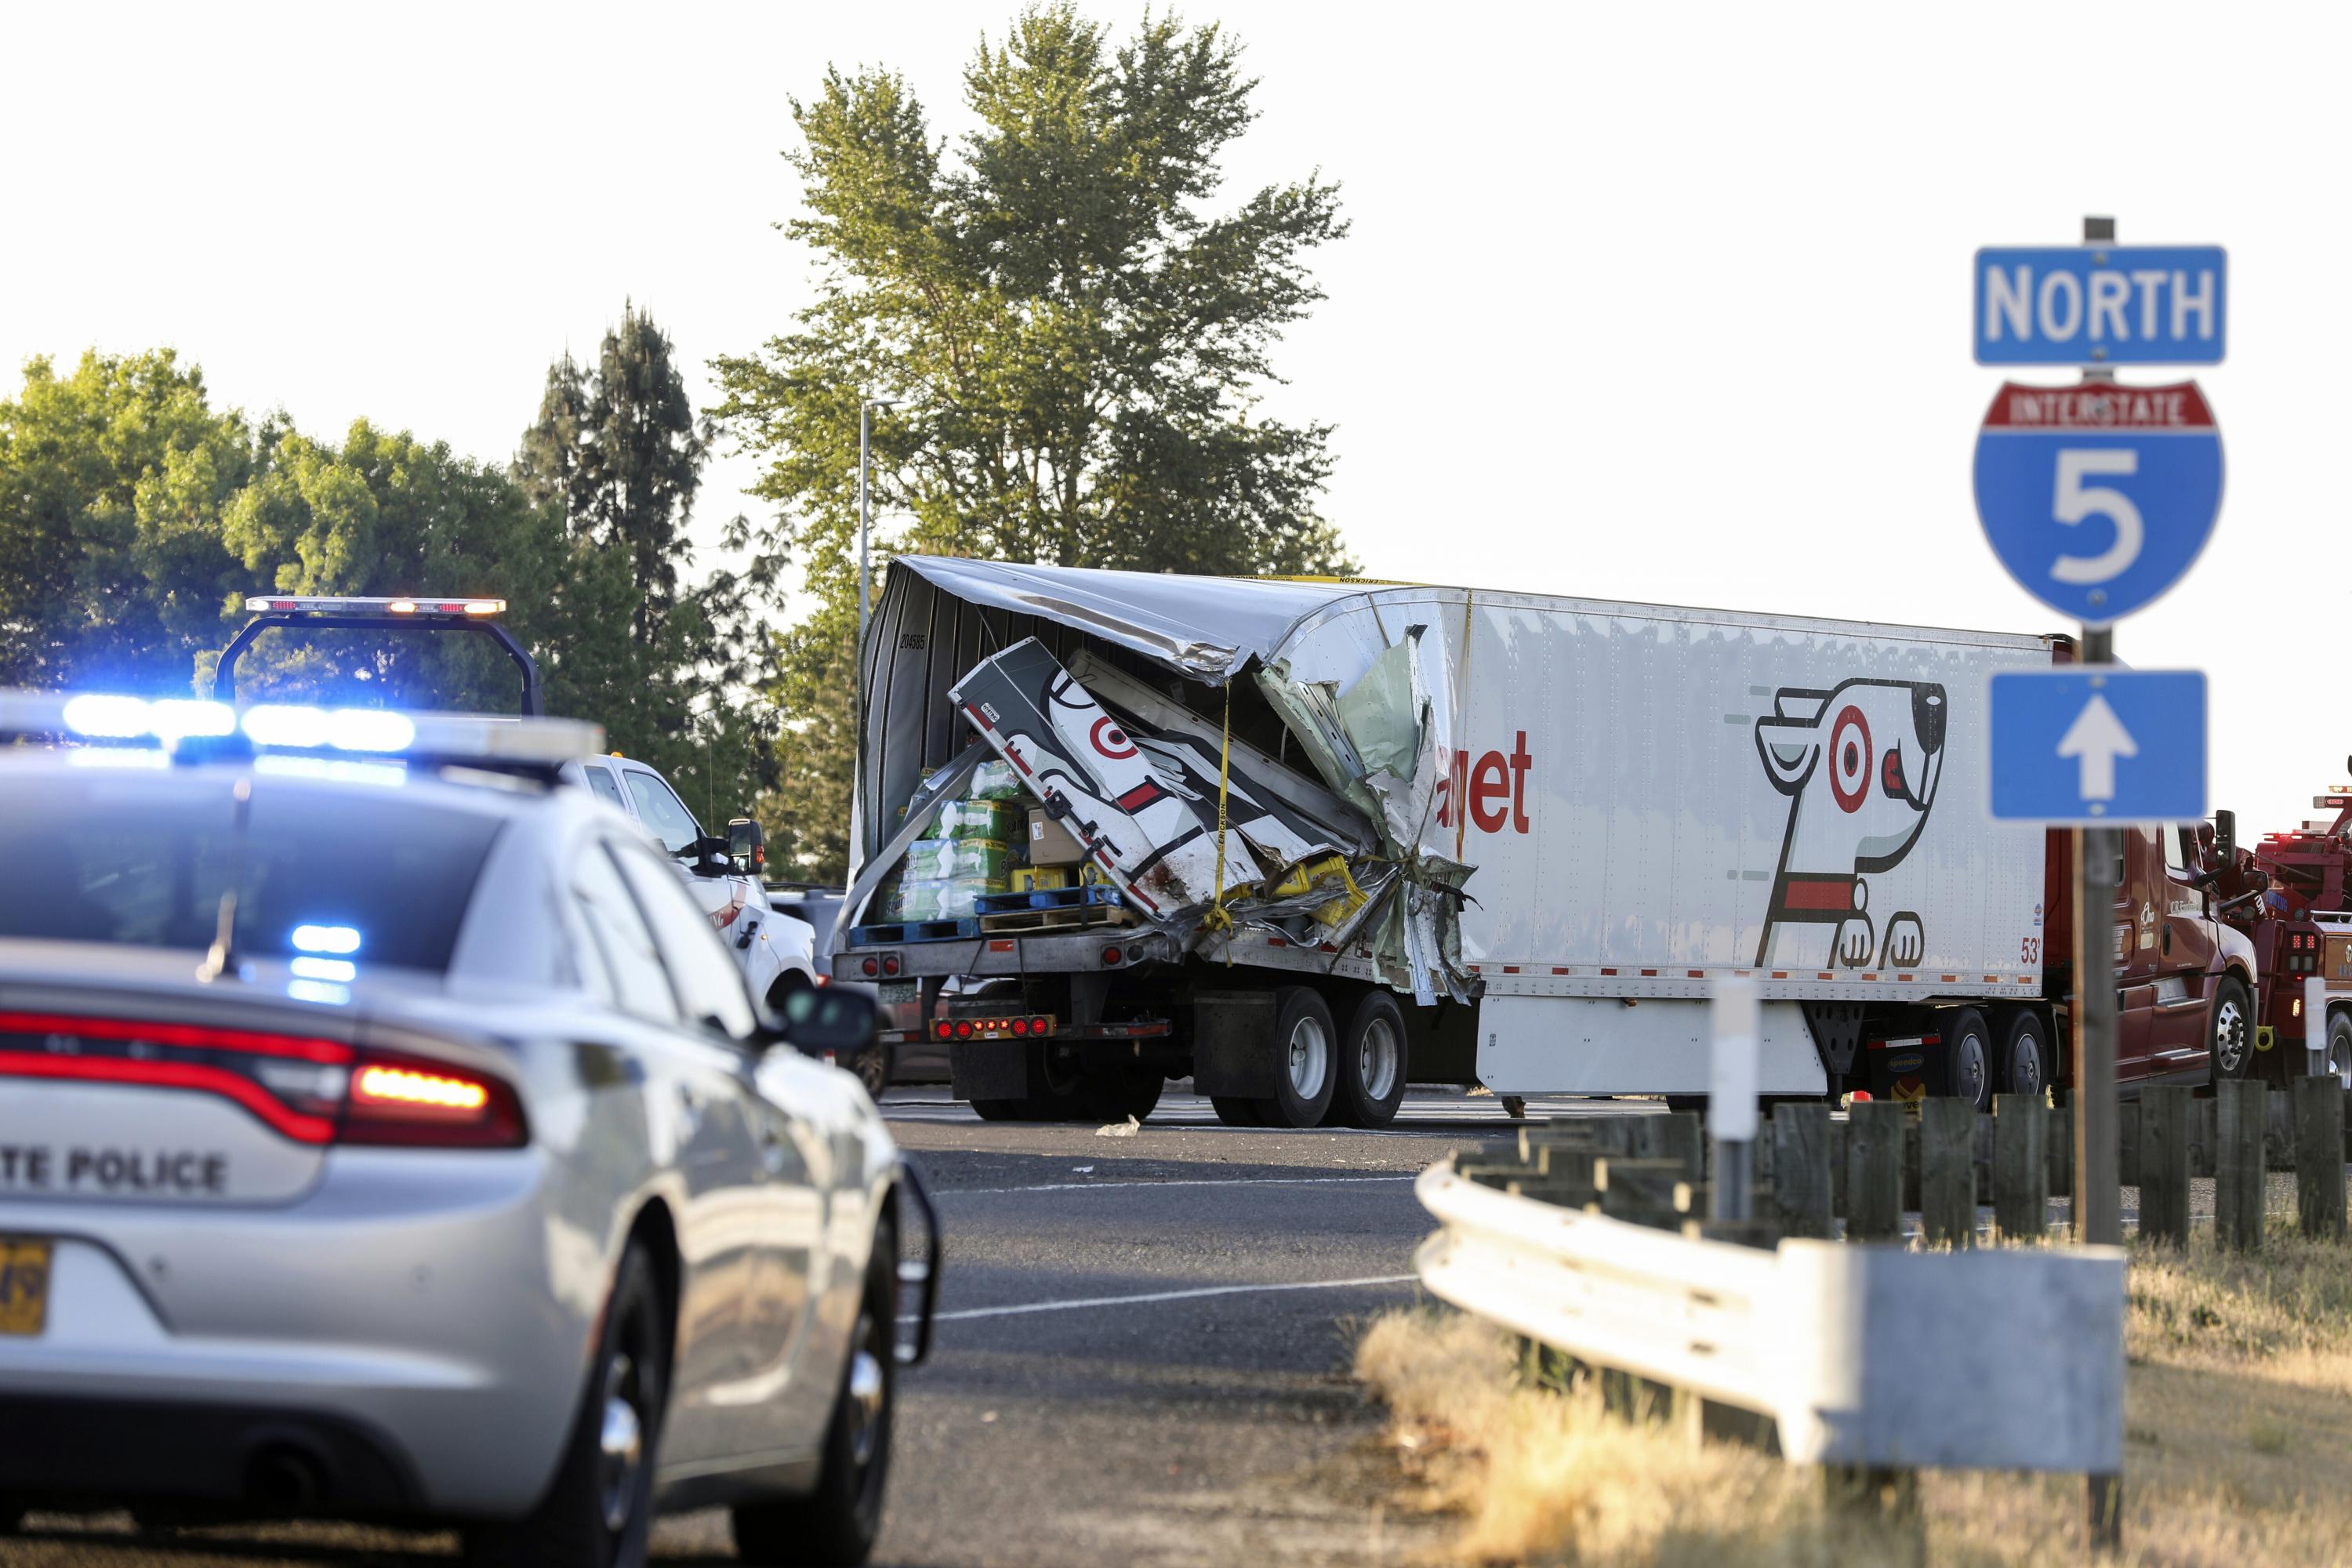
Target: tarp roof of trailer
point(1205, 628)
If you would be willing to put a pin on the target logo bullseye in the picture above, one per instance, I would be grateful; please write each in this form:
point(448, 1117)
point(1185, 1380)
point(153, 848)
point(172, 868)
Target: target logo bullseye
point(1110, 740)
point(1850, 759)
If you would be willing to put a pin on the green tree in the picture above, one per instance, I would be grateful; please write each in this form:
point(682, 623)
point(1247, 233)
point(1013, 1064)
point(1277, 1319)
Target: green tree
point(112, 481)
point(388, 514)
point(1080, 338)
point(616, 454)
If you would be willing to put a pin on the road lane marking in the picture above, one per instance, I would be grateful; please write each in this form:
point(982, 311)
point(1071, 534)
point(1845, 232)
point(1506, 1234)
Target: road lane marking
point(1150, 1297)
point(1188, 1181)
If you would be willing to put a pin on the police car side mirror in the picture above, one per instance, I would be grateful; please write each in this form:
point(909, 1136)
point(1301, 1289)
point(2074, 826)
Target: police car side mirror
point(838, 1018)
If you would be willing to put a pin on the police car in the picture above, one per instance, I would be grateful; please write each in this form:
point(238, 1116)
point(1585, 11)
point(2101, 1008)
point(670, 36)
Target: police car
point(384, 1133)
point(778, 956)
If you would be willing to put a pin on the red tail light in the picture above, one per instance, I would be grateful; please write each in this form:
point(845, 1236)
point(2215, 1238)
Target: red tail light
point(1111, 955)
point(305, 1088)
point(870, 968)
point(963, 1030)
point(1020, 1025)
point(943, 1030)
point(889, 963)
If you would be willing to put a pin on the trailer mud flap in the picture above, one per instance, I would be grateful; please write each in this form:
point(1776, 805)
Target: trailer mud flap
point(1233, 1044)
point(990, 1069)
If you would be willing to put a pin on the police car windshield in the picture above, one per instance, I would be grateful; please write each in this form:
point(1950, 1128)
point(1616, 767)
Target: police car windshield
point(357, 877)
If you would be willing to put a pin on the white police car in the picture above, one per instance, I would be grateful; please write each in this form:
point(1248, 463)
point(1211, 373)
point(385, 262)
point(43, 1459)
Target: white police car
point(385, 1132)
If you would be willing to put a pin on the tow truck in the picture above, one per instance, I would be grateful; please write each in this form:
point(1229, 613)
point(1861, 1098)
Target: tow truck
point(2300, 921)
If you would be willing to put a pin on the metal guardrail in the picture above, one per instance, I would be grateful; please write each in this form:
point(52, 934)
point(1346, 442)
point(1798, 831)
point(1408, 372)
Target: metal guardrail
point(1866, 1357)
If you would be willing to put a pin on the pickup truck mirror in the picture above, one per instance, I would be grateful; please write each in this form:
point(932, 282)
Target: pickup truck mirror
point(842, 1019)
point(747, 844)
point(708, 856)
point(2225, 836)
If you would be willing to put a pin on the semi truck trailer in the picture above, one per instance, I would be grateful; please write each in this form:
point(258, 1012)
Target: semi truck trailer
point(1339, 835)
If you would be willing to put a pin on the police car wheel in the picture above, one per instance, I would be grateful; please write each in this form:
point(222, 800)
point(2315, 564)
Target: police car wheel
point(837, 1524)
point(598, 1511)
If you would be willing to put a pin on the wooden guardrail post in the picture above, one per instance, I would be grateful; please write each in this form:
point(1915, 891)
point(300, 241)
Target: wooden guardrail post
point(2166, 1129)
point(2127, 1144)
point(2060, 1125)
point(1677, 1135)
point(2319, 1155)
point(1801, 1169)
point(1947, 1172)
point(2239, 1178)
point(2020, 1167)
point(1875, 1172)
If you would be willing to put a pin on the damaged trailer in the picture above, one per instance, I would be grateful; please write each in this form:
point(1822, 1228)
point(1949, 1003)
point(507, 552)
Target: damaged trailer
point(1302, 841)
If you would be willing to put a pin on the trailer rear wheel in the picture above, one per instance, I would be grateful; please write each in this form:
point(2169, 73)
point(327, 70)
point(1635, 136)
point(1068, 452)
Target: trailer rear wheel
point(1370, 1083)
point(1304, 1049)
point(2025, 1059)
point(1118, 1093)
point(1236, 1113)
point(1967, 1057)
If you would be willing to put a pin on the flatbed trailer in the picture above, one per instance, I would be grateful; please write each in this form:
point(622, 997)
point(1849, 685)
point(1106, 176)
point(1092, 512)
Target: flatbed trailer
point(1567, 821)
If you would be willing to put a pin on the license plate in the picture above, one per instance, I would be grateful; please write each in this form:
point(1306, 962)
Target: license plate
point(24, 1285)
point(900, 990)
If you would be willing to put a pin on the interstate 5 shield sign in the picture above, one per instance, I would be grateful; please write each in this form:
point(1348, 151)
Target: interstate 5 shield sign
point(2097, 497)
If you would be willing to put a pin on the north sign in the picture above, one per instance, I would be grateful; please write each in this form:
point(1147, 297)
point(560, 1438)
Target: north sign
point(2098, 498)
point(2101, 305)
point(2095, 746)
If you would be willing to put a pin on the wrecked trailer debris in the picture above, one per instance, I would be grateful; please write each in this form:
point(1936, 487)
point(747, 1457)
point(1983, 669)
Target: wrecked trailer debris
point(1356, 832)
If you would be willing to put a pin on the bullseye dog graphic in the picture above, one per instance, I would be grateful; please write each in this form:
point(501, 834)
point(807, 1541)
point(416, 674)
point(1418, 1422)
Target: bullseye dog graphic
point(1859, 765)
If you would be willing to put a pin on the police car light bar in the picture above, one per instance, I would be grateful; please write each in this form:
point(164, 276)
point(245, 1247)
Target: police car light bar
point(486, 739)
point(317, 605)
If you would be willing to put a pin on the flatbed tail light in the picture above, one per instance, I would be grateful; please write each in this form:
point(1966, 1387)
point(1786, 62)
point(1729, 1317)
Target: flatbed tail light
point(306, 1089)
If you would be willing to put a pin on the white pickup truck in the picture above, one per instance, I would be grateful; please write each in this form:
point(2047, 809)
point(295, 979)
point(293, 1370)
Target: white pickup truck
point(776, 949)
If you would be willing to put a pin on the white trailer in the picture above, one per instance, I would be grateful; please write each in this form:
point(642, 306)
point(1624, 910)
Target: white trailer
point(1646, 800)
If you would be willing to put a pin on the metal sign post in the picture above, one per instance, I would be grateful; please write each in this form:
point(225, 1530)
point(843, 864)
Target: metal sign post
point(2099, 499)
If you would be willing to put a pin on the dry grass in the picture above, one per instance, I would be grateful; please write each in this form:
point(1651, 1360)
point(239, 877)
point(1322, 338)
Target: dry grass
point(2239, 1446)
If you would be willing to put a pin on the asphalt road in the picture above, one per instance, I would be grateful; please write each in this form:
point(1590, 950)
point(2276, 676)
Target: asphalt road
point(1142, 1356)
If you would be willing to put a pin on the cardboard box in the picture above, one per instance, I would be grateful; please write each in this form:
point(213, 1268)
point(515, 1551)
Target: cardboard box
point(1050, 843)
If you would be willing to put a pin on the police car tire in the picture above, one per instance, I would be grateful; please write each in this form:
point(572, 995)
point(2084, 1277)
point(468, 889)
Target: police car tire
point(837, 1524)
point(567, 1528)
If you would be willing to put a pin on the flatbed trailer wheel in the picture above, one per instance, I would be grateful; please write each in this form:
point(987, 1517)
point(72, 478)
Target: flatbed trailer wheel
point(1234, 1111)
point(1368, 1084)
point(1305, 1042)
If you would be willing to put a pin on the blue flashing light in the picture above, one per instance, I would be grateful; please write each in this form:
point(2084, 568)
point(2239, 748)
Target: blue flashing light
point(319, 991)
point(106, 718)
point(310, 968)
point(324, 939)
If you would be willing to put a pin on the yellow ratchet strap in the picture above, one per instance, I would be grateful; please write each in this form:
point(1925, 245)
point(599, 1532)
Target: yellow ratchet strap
point(1217, 918)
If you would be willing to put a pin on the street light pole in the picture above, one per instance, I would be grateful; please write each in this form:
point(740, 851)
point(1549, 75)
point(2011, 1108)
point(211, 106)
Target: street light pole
point(866, 516)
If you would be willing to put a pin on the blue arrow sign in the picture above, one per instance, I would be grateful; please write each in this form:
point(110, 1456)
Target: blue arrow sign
point(2088, 747)
point(2093, 305)
point(2098, 498)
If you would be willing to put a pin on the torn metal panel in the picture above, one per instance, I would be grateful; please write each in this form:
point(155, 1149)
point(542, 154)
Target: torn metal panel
point(1308, 808)
point(947, 783)
point(1205, 628)
point(1092, 775)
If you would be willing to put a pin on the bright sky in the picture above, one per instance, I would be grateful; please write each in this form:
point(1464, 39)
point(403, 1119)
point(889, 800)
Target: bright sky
point(1645, 302)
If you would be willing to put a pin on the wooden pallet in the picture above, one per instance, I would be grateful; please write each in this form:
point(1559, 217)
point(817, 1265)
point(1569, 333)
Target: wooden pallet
point(1084, 917)
point(1030, 898)
point(897, 932)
